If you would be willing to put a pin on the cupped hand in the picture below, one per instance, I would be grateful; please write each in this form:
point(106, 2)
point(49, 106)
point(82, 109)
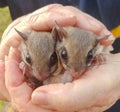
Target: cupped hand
point(97, 90)
point(17, 87)
point(44, 19)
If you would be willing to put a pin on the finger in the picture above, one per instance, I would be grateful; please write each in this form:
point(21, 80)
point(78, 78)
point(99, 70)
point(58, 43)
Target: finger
point(90, 23)
point(13, 39)
point(4, 95)
point(12, 65)
point(11, 26)
point(47, 8)
point(98, 28)
point(15, 80)
point(20, 19)
point(14, 77)
point(46, 21)
point(44, 18)
point(64, 98)
point(10, 38)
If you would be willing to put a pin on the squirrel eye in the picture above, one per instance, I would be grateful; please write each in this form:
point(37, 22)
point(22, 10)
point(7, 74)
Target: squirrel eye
point(28, 59)
point(53, 59)
point(64, 54)
point(89, 56)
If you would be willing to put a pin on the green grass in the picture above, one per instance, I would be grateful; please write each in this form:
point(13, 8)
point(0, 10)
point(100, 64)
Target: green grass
point(5, 20)
point(1, 106)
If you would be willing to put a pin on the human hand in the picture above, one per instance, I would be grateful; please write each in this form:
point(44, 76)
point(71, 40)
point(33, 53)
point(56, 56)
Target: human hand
point(17, 87)
point(44, 18)
point(86, 94)
point(97, 90)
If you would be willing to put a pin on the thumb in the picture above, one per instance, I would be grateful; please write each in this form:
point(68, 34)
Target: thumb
point(53, 96)
point(4, 95)
point(67, 97)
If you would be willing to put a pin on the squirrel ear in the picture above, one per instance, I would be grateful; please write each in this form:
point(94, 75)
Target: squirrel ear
point(24, 36)
point(58, 32)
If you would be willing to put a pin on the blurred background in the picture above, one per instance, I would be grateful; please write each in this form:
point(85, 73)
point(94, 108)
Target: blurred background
point(5, 20)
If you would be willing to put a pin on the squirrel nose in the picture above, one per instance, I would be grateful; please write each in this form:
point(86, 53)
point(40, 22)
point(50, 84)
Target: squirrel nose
point(78, 72)
point(40, 75)
point(43, 75)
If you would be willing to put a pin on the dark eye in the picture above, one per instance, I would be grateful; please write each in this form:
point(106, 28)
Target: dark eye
point(64, 54)
point(28, 58)
point(89, 56)
point(53, 59)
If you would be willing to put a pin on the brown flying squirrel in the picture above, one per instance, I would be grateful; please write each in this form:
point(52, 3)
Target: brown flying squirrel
point(59, 56)
point(38, 56)
point(77, 50)
point(39, 59)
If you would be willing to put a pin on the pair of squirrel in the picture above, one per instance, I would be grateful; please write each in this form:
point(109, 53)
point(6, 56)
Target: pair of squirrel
point(59, 56)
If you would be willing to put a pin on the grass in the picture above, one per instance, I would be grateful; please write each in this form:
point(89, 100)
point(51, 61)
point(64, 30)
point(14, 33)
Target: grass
point(1, 106)
point(5, 20)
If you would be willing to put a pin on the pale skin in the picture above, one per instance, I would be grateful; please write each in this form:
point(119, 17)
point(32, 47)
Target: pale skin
point(93, 92)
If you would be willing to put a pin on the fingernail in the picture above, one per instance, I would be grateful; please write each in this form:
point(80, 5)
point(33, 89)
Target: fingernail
point(108, 34)
point(111, 37)
point(39, 98)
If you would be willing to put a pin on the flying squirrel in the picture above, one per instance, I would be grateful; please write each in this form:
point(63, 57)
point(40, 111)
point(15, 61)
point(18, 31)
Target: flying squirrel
point(59, 56)
point(77, 50)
